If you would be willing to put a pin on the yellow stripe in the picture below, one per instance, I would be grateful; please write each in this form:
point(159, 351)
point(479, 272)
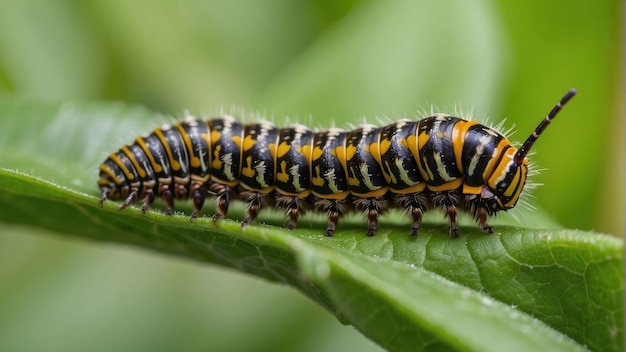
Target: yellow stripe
point(248, 142)
point(491, 164)
point(411, 143)
point(458, 139)
point(375, 152)
point(112, 176)
point(500, 172)
point(472, 189)
point(520, 187)
point(260, 190)
point(225, 182)
point(384, 145)
point(129, 176)
point(338, 196)
point(202, 180)
point(106, 182)
point(158, 168)
point(448, 186)
point(413, 189)
point(140, 170)
point(415, 147)
point(514, 183)
point(300, 194)
point(193, 160)
point(174, 164)
point(376, 193)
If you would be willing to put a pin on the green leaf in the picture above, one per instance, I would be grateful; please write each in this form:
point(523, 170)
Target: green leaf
point(518, 289)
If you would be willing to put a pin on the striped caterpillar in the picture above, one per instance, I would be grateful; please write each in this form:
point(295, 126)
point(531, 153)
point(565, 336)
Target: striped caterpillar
point(439, 161)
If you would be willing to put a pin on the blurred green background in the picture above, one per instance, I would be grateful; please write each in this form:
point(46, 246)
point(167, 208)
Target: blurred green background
point(317, 62)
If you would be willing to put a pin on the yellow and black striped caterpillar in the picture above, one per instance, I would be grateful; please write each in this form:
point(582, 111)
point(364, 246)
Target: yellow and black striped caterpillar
point(440, 161)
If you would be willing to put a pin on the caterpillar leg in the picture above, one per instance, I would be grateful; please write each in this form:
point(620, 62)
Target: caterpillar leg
point(416, 214)
point(481, 208)
point(130, 200)
point(448, 201)
point(416, 205)
point(147, 201)
point(481, 215)
point(293, 213)
point(295, 206)
point(223, 200)
point(334, 208)
point(103, 196)
point(167, 197)
point(199, 196)
point(254, 205)
point(454, 227)
point(147, 195)
point(372, 207)
point(372, 217)
point(333, 218)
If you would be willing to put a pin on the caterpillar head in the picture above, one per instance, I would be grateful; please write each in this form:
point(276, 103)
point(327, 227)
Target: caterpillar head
point(505, 185)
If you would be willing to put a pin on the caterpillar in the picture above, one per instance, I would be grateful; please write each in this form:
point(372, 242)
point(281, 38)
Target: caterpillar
point(440, 161)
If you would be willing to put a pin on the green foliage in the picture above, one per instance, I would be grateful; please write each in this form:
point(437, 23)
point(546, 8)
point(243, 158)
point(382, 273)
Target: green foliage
point(519, 289)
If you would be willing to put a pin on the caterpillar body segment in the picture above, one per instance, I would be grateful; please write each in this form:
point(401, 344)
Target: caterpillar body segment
point(440, 161)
